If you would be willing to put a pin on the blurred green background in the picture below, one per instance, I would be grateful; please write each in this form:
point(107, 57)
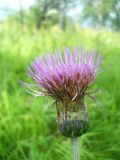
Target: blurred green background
point(28, 129)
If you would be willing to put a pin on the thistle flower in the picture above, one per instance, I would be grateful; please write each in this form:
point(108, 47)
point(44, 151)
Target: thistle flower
point(66, 77)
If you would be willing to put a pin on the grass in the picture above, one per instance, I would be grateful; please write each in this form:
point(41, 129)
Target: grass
point(28, 129)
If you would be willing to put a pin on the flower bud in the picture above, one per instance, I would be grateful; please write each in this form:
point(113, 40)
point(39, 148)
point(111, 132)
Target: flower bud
point(72, 118)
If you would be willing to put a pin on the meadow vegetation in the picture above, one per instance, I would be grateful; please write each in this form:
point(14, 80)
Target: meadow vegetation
point(28, 129)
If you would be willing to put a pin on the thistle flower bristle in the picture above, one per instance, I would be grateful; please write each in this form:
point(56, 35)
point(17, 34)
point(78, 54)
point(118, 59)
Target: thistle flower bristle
point(65, 76)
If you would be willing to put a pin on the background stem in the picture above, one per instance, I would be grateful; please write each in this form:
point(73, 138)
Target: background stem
point(75, 148)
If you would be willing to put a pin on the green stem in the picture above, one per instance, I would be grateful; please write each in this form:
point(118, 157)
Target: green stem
point(75, 148)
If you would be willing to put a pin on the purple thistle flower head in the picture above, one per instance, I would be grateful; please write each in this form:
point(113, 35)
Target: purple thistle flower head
point(65, 76)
